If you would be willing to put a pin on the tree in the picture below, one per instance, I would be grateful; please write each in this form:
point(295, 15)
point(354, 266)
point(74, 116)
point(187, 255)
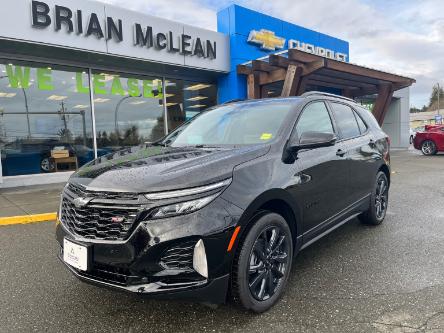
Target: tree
point(434, 97)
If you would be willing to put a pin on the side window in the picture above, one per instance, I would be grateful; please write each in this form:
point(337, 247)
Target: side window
point(361, 124)
point(315, 118)
point(346, 121)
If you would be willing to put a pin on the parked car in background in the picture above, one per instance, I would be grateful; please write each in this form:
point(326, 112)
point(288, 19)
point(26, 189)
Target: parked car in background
point(224, 202)
point(431, 140)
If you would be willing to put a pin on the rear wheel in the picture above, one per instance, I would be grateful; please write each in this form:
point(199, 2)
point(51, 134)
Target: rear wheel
point(262, 264)
point(379, 201)
point(428, 147)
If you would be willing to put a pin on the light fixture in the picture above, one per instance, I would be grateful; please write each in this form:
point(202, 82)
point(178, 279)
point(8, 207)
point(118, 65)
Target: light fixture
point(197, 106)
point(189, 191)
point(198, 86)
point(197, 98)
point(81, 106)
point(138, 102)
point(101, 100)
point(7, 95)
point(169, 95)
point(200, 259)
point(171, 104)
point(56, 98)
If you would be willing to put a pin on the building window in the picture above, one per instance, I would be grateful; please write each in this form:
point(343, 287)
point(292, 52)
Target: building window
point(185, 99)
point(45, 118)
point(128, 110)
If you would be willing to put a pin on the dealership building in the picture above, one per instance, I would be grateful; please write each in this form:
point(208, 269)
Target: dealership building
point(80, 79)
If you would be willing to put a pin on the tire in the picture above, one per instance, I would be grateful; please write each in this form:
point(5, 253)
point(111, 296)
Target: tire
point(411, 139)
point(46, 165)
point(428, 147)
point(259, 276)
point(379, 201)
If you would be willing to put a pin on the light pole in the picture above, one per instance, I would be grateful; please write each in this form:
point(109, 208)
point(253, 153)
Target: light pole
point(26, 108)
point(116, 123)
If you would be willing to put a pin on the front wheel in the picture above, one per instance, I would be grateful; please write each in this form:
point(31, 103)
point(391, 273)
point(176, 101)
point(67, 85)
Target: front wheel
point(262, 263)
point(428, 147)
point(378, 201)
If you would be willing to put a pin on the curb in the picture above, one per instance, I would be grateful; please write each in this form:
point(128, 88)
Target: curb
point(25, 219)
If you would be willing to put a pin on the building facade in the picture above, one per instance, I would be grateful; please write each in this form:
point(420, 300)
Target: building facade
point(82, 79)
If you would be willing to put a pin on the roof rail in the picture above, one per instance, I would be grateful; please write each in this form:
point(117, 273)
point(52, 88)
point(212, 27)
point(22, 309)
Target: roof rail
point(314, 93)
point(233, 101)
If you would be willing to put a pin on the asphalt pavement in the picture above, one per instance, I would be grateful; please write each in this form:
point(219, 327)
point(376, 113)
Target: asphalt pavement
point(388, 278)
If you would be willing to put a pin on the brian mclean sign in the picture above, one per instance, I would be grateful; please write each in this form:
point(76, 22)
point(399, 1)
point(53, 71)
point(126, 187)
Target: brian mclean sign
point(97, 27)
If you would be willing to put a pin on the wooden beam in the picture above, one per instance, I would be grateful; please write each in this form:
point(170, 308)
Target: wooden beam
point(312, 67)
point(302, 86)
point(292, 80)
point(382, 103)
point(301, 56)
point(260, 65)
point(278, 61)
point(345, 67)
point(329, 79)
point(243, 70)
point(253, 87)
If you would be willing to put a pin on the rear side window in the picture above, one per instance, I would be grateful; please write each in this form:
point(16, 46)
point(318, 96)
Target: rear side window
point(362, 126)
point(346, 120)
point(314, 118)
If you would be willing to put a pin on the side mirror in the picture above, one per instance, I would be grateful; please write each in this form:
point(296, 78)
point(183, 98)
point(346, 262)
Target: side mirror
point(310, 140)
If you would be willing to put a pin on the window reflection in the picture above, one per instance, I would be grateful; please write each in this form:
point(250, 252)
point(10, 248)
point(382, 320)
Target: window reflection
point(128, 110)
point(43, 113)
point(185, 99)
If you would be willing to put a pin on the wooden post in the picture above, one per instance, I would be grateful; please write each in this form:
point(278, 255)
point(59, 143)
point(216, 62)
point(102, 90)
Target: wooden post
point(254, 89)
point(385, 94)
point(292, 80)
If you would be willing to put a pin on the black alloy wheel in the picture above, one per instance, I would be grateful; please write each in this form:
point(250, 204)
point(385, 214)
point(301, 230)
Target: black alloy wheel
point(381, 198)
point(262, 267)
point(378, 201)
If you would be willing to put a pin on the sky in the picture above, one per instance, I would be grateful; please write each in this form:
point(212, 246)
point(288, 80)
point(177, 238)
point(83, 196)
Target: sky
point(399, 36)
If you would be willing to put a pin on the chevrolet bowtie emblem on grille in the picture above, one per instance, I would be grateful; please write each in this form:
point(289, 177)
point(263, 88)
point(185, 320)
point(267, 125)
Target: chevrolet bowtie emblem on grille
point(81, 202)
point(266, 39)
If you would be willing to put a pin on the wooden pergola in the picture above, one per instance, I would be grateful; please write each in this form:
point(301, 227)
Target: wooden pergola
point(300, 71)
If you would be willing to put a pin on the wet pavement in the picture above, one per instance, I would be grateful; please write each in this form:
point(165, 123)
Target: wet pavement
point(388, 278)
point(29, 200)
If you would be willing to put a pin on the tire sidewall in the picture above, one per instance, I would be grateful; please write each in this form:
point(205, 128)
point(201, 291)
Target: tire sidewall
point(244, 294)
point(434, 147)
point(373, 218)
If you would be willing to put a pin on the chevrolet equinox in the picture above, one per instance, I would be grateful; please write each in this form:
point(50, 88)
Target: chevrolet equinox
point(222, 205)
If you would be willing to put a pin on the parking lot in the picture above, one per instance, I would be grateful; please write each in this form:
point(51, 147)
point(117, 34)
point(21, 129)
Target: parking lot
point(388, 278)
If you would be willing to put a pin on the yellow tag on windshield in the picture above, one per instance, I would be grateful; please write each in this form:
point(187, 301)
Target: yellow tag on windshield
point(266, 136)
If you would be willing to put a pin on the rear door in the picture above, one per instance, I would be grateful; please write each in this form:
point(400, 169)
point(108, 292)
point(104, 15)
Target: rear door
point(321, 173)
point(361, 153)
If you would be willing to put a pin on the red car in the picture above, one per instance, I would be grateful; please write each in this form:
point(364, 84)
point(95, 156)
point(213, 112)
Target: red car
point(431, 140)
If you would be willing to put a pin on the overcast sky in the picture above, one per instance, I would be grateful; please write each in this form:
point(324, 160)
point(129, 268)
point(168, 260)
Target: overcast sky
point(399, 36)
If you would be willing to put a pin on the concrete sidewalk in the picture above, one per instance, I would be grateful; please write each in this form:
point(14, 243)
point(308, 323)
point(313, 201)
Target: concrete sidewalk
point(30, 200)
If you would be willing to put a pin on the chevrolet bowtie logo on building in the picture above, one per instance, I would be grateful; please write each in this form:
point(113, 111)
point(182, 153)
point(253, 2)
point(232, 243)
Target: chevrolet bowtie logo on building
point(266, 39)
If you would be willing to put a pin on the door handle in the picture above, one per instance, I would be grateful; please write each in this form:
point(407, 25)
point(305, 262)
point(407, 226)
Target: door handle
point(340, 153)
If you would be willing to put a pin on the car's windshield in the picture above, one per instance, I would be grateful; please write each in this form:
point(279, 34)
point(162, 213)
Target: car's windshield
point(232, 124)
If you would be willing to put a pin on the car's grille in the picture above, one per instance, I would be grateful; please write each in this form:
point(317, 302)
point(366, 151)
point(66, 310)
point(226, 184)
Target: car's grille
point(105, 215)
point(179, 257)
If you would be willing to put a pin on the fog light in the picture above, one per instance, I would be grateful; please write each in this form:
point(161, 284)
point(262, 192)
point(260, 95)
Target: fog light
point(200, 259)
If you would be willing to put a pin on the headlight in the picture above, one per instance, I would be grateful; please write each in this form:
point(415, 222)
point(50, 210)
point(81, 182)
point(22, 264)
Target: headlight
point(182, 207)
point(188, 191)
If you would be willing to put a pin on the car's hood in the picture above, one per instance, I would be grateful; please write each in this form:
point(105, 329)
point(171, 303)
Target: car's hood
point(157, 168)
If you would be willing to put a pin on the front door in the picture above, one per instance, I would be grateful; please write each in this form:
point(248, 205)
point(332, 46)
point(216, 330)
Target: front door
point(321, 180)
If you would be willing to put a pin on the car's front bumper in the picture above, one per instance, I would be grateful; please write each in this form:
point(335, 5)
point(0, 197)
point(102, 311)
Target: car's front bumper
point(138, 263)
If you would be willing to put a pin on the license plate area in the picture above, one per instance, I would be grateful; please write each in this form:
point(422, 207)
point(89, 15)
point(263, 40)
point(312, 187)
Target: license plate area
point(77, 255)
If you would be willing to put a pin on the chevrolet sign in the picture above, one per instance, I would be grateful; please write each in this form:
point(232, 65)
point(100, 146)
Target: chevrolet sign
point(266, 39)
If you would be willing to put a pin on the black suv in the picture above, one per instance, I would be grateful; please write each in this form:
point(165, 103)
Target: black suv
point(225, 201)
